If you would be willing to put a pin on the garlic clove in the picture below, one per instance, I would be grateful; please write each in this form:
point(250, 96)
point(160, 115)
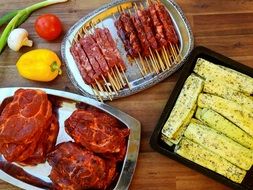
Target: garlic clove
point(18, 38)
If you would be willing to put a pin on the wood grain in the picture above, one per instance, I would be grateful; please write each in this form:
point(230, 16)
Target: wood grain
point(224, 26)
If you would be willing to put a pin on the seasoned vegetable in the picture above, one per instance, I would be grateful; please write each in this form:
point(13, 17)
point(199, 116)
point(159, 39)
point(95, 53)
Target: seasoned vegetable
point(39, 65)
point(220, 88)
point(184, 107)
point(221, 124)
point(18, 38)
point(233, 111)
point(180, 132)
point(220, 144)
point(20, 17)
point(166, 140)
point(234, 79)
point(210, 160)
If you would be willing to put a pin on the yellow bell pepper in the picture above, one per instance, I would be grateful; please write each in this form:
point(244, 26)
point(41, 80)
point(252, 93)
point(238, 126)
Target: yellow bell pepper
point(39, 65)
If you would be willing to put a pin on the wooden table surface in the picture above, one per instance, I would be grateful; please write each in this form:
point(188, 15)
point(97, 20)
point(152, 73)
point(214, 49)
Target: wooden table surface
point(224, 26)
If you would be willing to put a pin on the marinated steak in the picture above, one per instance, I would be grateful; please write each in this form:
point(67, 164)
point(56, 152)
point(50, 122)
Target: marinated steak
point(75, 168)
point(24, 125)
point(99, 132)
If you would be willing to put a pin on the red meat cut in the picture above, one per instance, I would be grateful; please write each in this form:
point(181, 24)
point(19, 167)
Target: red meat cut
point(99, 132)
point(24, 125)
point(74, 168)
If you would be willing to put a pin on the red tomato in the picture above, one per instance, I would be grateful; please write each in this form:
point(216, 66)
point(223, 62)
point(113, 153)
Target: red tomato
point(48, 26)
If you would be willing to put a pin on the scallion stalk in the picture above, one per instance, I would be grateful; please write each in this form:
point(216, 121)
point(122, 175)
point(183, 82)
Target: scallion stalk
point(20, 17)
point(7, 17)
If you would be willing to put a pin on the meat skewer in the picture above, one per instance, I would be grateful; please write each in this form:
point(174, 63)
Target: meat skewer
point(168, 26)
point(143, 40)
point(113, 78)
point(113, 60)
point(96, 58)
point(74, 51)
point(120, 62)
point(121, 33)
point(147, 25)
point(95, 76)
point(109, 57)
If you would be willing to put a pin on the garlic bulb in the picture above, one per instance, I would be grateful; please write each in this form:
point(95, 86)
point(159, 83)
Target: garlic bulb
point(18, 38)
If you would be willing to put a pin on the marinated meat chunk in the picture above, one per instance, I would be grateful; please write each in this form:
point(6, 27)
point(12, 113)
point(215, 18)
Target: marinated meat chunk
point(98, 131)
point(27, 123)
point(74, 168)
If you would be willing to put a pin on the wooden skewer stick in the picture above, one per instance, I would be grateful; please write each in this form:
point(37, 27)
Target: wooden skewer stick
point(135, 6)
point(142, 64)
point(93, 90)
point(172, 53)
point(97, 93)
point(114, 86)
point(153, 64)
point(137, 63)
point(117, 79)
point(124, 74)
point(108, 88)
point(147, 63)
point(119, 75)
point(175, 53)
point(179, 52)
point(160, 61)
point(165, 57)
point(154, 61)
point(100, 87)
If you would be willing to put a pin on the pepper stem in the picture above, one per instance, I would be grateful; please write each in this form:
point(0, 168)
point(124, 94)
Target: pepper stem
point(54, 67)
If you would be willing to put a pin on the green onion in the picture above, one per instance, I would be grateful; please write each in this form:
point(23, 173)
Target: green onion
point(19, 17)
point(7, 17)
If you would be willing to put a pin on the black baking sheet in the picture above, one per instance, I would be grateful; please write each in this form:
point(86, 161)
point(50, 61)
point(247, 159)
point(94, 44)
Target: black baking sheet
point(156, 142)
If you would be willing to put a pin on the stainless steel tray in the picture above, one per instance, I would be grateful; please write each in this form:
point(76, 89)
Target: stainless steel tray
point(137, 82)
point(68, 103)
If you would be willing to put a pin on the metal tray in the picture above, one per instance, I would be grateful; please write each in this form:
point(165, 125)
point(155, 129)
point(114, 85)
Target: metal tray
point(36, 177)
point(156, 142)
point(137, 82)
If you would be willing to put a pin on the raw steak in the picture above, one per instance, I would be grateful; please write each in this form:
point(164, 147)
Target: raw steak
point(28, 128)
point(74, 168)
point(98, 131)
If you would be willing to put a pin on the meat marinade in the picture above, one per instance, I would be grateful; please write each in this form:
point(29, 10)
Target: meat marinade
point(76, 168)
point(167, 23)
